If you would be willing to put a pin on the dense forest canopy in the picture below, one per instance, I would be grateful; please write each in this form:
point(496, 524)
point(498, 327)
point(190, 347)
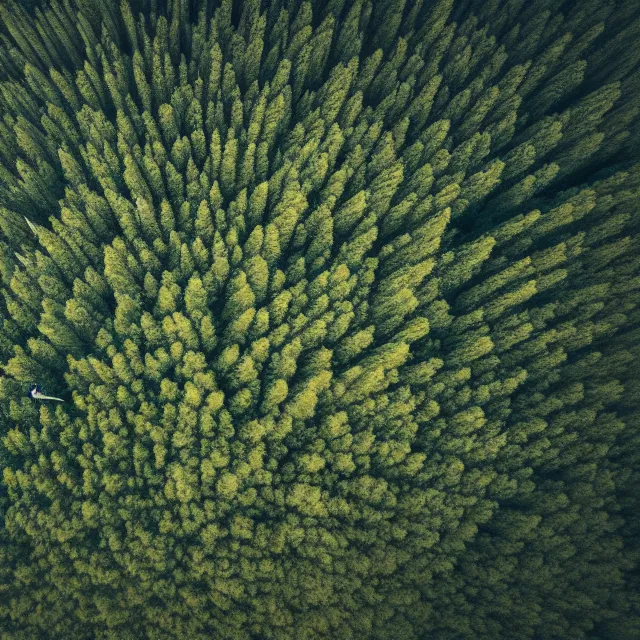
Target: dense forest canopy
point(342, 299)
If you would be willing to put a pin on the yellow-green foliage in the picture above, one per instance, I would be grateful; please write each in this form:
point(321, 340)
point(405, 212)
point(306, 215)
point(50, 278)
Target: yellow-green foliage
point(342, 300)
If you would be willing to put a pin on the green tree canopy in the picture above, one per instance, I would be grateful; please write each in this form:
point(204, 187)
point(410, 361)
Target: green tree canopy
point(342, 299)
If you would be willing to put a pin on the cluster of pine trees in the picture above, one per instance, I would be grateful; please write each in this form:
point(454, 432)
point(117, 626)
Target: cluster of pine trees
point(343, 301)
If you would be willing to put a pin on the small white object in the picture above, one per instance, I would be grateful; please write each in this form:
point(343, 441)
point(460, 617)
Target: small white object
point(31, 226)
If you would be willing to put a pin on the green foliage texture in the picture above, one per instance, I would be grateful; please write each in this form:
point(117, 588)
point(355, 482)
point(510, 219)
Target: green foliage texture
point(343, 302)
